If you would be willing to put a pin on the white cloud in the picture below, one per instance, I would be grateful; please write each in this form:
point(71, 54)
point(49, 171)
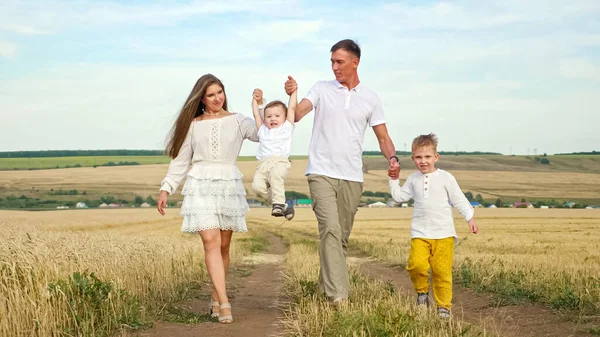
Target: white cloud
point(45, 16)
point(480, 75)
point(22, 29)
point(479, 15)
point(115, 106)
point(443, 15)
point(7, 49)
point(580, 68)
point(281, 31)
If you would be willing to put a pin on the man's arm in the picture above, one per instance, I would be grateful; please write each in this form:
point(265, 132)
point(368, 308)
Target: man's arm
point(291, 112)
point(304, 107)
point(387, 148)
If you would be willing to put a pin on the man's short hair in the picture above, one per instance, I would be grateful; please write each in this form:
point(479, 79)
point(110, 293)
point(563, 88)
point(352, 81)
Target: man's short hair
point(425, 140)
point(349, 46)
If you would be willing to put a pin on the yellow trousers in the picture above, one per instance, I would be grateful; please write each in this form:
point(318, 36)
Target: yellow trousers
point(437, 254)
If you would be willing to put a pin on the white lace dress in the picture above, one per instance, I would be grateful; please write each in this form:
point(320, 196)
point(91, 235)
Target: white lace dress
point(214, 196)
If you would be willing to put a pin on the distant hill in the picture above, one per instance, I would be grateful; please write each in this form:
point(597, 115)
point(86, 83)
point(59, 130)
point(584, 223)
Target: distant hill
point(579, 153)
point(79, 153)
point(462, 153)
point(557, 163)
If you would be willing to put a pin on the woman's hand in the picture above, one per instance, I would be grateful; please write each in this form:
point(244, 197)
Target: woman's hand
point(257, 95)
point(162, 202)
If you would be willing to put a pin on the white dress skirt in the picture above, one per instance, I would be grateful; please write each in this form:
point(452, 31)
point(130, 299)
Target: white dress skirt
point(213, 194)
point(217, 200)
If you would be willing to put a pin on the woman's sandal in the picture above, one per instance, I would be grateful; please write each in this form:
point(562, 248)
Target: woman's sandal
point(211, 308)
point(227, 318)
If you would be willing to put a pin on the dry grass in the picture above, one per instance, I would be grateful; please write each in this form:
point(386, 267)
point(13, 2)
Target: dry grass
point(551, 256)
point(374, 308)
point(127, 181)
point(134, 250)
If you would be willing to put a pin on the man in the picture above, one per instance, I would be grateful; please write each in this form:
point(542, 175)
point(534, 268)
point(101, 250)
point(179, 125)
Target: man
point(343, 110)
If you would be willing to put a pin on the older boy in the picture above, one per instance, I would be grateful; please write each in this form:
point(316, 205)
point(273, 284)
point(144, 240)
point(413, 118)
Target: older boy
point(432, 230)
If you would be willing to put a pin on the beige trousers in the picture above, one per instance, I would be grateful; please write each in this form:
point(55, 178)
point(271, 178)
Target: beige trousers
point(268, 182)
point(335, 202)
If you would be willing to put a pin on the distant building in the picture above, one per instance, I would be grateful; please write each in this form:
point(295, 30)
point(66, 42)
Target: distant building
point(492, 206)
point(475, 204)
point(253, 203)
point(304, 203)
point(544, 207)
point(569, 204)
point(102, 205)
point(377, 204)
point(81, 205)
point(145, 205)
point(392, 203)
point(114, 205)
point(590, 207)
point(522, 204)
point(62, 207)
point(404, 205)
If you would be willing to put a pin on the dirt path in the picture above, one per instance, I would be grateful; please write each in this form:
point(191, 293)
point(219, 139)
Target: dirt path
point(256, 302)
point(526, 320)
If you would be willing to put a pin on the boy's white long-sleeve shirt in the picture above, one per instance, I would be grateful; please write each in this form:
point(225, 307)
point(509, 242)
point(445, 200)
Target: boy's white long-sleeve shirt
point(434, 195)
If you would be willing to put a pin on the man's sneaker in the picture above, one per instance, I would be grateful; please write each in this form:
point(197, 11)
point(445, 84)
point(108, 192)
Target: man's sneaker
point(444, 313)
point(423, 299)
point(339, 303)
point(289, 212)
point(278, 210)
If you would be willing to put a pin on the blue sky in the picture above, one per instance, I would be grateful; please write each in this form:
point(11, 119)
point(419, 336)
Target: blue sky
point(518, 76)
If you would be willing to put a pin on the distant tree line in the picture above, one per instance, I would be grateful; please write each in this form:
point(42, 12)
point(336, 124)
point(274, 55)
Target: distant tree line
point(79, 153)
point(446, 153)
point(121, 163)
point(24, 202)
point(578, 153)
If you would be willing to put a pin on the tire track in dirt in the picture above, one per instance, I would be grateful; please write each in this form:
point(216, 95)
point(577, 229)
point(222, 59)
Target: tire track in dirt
point(256, 304)
point(523, 320)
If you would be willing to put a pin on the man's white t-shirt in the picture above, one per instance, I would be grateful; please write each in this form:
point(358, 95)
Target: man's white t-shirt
point(341, 119)
point(276, 141)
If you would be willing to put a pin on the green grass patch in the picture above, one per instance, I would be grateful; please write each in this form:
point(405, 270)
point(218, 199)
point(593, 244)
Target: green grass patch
point(256, 243)
point(561, 291)
point(39, 163)
point(180, 315)
point(97, 308)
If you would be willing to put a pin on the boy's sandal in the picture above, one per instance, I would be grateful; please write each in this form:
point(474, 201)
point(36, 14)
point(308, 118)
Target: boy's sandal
point(211, 308)
point(227, 318)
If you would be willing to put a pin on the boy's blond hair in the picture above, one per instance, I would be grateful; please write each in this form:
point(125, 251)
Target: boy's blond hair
point(425, 140)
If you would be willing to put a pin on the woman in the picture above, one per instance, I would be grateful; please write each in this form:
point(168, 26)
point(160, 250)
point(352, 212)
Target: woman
point(209, 137)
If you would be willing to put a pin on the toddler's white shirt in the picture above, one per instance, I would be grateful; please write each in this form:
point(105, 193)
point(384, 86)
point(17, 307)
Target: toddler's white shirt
point(276, 141)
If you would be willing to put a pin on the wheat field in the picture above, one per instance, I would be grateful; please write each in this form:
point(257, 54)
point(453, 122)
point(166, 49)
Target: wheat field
point(127, 181)
point(141, 263)
point(551, 255)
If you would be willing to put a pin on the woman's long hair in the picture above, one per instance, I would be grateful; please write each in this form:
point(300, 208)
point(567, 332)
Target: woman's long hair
point(192, 108)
